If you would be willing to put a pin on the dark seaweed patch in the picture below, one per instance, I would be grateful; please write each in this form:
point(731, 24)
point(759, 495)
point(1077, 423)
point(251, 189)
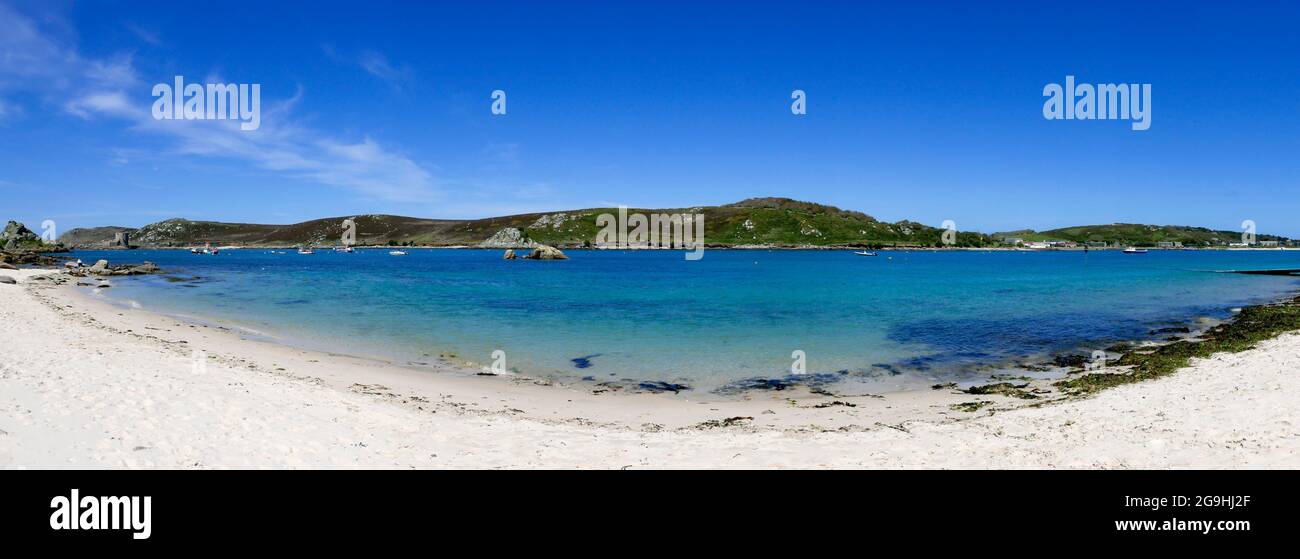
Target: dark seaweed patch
point(660, 386)
point(1248, 328)
point(585, 361)
point(817, 382)
point(639, 386)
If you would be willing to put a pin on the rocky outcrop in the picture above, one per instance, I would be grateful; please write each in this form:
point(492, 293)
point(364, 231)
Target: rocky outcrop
point(7, 266)
point(18, 233)
point(102, 268)
point(8, 280)
point(28, 257)
point(509, 255)
point(544, 252)
point(509, 237)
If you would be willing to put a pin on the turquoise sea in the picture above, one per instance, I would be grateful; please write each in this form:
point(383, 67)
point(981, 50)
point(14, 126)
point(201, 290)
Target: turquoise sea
point(726, 323)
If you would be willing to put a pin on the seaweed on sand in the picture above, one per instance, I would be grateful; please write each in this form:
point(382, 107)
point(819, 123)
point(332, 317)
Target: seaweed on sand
point(1252, 325)
point(970, 406)
point(721, 423)
point(1004, 388)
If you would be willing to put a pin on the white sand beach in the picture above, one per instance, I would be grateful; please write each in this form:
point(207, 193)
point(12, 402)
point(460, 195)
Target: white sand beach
point(85, 384)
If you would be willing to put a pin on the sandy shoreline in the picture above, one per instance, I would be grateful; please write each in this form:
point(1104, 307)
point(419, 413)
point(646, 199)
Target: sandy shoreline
point(86, 384)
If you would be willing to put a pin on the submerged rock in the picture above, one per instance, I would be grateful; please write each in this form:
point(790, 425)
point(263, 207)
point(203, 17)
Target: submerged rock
point(814, 382)
point(639, 386)
point(661, 386)
point(509, 255)
point(584, 361)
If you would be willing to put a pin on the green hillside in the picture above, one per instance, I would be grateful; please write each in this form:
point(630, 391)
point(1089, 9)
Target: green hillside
point(758, 221)
point(1132, 234)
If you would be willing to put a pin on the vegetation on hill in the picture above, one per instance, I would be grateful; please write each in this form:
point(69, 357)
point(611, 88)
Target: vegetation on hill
point(1132, 234)
point(758, 221)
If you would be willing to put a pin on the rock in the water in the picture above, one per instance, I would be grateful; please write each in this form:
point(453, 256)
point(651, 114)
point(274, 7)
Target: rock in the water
point(509, 237)
point(545, 252)
point(146, 268)
point(509, 255)
point(7, 266)
point(8, 280)
point(100, 267)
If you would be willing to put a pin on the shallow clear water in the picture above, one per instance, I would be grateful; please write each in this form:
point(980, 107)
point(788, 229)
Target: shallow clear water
point(895, 320)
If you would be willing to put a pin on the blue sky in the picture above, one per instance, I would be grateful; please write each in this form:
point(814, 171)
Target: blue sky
point(916, 110)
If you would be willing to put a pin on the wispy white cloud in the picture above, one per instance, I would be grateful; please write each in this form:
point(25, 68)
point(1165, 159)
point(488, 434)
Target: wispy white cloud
point(373, 63)
point(378, 65)
point(35, 63)
point(149, 36)
point(111, 103)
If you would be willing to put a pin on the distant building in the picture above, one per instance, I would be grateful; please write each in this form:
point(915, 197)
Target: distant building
point(1013, 240)
point(1268, 243)
point(1169, 244)
point(1096, 244)
point(122, 239)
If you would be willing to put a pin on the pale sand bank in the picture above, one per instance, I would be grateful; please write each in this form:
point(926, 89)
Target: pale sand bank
point(87, 385)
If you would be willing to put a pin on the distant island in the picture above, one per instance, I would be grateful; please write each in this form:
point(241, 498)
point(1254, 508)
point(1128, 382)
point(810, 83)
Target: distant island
point(756, 222)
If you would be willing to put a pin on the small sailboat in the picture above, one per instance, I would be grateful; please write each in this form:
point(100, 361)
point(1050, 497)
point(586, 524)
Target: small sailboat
point(864, 253)
point(1135, 250)
point(397, 253)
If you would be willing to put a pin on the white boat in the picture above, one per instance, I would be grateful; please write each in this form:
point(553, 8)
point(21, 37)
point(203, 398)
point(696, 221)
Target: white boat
point(305, 250)
point(207, 249)
point(397, 253)
point(1135, 250)
point(344, 248)
point(865, 253)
